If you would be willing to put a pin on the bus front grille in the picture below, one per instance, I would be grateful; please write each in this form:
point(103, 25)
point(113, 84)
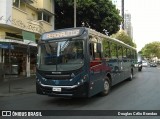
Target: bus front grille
point(57, 77)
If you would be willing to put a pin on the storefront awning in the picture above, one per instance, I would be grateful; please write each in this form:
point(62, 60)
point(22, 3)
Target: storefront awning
point(16, 41)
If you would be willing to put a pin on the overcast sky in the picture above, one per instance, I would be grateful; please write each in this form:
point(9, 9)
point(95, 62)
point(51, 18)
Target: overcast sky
point(145, 20)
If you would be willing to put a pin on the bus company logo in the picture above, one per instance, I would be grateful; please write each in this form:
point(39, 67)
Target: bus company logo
point(6, 113)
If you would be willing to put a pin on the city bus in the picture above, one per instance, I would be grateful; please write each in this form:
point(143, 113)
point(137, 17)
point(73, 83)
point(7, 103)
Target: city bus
point(81, 62)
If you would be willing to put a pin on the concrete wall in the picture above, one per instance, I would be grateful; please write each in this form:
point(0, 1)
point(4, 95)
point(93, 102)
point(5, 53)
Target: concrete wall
point(45, 4)
point(5, 11)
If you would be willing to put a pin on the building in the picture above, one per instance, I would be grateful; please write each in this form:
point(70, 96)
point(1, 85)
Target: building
point(118, 4)
point(21, 24)
point(127, 24)
point(120, 7)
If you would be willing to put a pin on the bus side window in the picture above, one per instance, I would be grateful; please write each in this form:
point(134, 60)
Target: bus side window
point(106, 49)
point(91, 51)
point(99, 47)
point(128, 54)
point(120, 52)
point(95, 51)
point(99, 51)
point(114, 52)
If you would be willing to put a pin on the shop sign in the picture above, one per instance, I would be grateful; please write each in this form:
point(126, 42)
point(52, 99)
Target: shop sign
point(6, 46)
point(30, 37)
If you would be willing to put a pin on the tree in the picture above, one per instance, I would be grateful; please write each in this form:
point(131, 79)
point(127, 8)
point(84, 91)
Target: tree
point(151, 50)
point(124, 37)
point(97, 14)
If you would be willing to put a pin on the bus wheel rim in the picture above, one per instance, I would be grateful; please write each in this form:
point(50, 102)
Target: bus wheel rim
point(106, 86)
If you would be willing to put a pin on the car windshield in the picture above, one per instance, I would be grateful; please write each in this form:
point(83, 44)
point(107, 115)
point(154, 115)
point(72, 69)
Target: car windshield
point(61, 55)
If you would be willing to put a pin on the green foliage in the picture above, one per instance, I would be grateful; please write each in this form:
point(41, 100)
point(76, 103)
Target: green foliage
point(151, 50)
point(123, 36)
point(98, 14)
point(140, 52)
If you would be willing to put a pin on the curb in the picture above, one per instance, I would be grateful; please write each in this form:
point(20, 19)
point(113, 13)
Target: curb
point(6, 79)
point(15, 94)
point(18, 86)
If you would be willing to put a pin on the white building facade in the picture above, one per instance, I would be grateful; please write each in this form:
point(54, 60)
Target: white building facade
point(21, 24)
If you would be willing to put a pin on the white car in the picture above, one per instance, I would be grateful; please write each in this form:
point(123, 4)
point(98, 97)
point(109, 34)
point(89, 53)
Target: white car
point(144, 63)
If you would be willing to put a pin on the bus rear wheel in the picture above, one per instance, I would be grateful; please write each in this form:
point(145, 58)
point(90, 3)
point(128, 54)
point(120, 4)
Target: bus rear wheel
point(106, 87)
point(131, 76)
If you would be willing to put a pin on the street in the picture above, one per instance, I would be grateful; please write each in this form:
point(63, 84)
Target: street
point(142, 93)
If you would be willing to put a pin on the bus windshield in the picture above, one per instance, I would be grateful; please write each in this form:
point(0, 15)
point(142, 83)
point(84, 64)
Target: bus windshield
point(61, 55)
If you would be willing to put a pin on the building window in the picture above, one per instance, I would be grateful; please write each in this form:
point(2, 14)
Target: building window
point(20, 4)
point(40, 16)
point(44, 16)
point(16, 3)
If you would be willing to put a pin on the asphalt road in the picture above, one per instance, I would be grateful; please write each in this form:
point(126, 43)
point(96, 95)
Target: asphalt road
point(142, 93)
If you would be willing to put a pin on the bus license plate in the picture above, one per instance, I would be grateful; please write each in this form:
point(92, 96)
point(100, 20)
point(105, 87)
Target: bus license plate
point(56, 89)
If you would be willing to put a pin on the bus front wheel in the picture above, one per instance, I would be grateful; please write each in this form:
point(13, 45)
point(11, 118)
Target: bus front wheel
point(106, 87)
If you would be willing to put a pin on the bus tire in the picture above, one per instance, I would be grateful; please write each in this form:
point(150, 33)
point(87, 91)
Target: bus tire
point(131, 76)
point(107, 86)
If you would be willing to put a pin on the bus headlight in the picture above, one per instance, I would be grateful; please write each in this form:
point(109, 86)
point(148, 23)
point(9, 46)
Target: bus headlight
point(84, 78)
point(44, 79)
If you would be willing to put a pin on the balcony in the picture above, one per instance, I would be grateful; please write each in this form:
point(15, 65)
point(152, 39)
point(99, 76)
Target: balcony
point(21, 20)
point(28, 1)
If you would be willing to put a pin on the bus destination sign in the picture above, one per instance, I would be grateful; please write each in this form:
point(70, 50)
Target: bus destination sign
point(61, 34)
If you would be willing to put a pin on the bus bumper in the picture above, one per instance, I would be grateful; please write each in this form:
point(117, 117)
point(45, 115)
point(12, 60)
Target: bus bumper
point(66, 91)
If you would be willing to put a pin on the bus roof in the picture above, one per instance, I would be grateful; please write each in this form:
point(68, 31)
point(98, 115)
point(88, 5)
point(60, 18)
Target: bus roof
point(74, 32)
point(93, 32)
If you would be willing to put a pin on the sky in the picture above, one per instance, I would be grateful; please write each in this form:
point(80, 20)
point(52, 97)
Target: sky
point(145, 21)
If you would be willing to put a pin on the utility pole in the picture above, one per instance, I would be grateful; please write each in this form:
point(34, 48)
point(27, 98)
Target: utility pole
point(10, 66)
point(75, 12)
point(122, 14)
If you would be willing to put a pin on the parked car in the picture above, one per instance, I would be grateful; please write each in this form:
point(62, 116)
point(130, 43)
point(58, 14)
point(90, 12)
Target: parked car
point(144, 63)
point(153, 64)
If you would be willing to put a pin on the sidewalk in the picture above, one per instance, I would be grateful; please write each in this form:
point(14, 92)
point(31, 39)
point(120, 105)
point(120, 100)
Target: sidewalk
point(18, 85)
